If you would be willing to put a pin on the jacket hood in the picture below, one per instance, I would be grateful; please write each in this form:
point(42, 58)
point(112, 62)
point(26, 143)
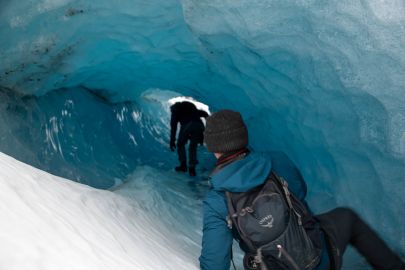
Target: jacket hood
point(244, 174)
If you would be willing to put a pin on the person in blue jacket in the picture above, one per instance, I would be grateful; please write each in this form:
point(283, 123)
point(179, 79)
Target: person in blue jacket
point(239, 170)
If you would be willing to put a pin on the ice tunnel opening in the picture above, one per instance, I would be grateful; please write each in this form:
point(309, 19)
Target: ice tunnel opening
point(98, 147)
point(199, 105)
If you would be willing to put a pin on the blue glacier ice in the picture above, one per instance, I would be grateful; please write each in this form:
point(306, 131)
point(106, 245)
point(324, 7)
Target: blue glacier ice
point(84, 88)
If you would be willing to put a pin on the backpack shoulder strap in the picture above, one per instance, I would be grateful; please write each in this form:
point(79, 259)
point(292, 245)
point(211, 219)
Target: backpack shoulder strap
point(283, 185)
point(299, 208)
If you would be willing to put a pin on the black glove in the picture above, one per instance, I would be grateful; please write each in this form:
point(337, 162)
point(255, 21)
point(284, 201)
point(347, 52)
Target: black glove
point(172, 145)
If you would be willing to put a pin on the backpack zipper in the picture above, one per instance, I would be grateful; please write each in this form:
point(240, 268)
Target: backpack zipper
point(259, 259)
point(282, 251)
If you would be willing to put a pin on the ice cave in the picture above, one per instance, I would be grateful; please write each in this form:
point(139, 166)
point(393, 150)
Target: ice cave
point(86, 173)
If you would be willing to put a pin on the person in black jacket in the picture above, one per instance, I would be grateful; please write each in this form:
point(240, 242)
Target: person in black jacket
point(191, 129)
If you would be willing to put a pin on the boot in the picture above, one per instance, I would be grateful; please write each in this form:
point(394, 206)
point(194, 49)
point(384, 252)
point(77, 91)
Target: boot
point(181, 168)
point(191, 171)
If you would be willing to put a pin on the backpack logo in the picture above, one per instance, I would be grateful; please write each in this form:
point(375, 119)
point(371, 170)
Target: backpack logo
point(267, 221)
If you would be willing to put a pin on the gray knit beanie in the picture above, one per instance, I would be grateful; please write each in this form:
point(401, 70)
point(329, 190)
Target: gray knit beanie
point(225, 131)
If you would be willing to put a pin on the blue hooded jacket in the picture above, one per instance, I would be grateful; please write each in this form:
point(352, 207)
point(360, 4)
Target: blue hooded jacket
point(239, 176)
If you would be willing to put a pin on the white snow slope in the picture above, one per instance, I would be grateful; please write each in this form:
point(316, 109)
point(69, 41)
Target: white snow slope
point(47, 222)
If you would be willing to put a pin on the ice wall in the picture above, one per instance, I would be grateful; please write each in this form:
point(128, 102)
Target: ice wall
point(326, 81)
point(322, 80)
point(81, 136)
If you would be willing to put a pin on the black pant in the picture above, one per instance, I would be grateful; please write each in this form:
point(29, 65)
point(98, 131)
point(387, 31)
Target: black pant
point(193, 132)
point(344, 226)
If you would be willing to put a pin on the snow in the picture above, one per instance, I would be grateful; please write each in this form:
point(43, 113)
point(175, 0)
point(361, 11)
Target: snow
point(48, 222)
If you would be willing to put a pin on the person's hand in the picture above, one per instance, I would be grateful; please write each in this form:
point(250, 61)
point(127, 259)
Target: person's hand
point(172, 146)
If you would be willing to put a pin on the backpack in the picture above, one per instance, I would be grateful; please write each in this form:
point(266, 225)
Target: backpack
point(271, 224)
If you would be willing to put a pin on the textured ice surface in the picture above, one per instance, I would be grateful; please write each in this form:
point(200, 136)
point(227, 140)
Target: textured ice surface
point(322, 80)
point(79, 135)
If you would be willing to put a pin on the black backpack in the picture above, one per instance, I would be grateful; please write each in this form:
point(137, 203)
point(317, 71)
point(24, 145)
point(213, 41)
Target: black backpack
point(275, 229)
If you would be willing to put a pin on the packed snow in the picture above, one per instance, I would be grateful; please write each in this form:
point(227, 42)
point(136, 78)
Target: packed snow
point(51, 223)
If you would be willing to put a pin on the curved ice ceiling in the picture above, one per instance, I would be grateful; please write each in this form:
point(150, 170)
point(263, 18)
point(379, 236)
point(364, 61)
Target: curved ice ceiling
point(322, 80)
